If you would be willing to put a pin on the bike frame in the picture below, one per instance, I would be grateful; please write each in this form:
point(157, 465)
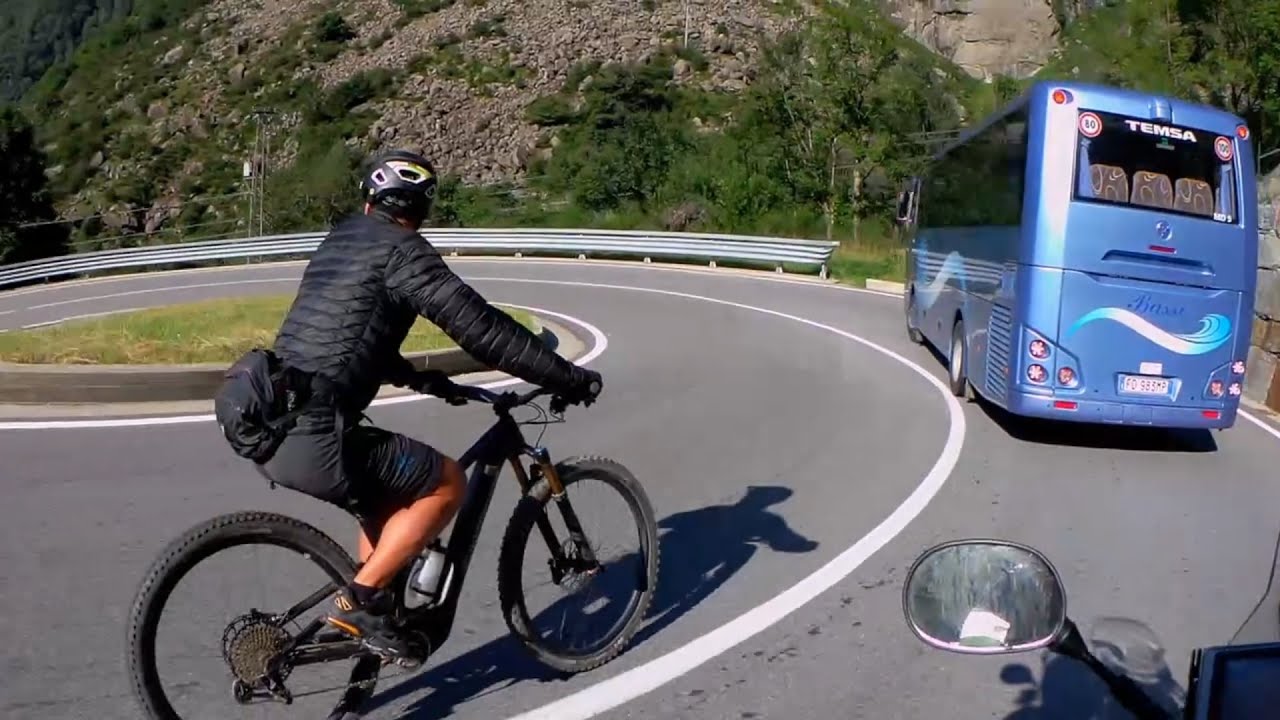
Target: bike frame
point(503, 442)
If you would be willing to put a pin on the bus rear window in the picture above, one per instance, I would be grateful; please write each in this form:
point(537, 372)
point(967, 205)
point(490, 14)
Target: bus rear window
point(1141, 163)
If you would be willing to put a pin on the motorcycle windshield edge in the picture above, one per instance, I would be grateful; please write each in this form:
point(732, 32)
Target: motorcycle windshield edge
point(1263, 624)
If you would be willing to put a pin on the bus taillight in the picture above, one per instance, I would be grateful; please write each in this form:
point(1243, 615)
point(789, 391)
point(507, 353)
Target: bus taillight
point(1039, 349)
point(1215, 388)
point(1065, 404)
point(1061, 97)
point(1242, 132)
point(1211, 414)
point(1037, 374)
point(1237, 367)
point(1066, 376)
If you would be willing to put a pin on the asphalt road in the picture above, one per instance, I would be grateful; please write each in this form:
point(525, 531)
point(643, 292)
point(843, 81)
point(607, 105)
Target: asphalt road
point(769, 446)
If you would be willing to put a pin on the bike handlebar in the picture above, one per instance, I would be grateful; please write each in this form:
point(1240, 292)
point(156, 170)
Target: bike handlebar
point(509, 400)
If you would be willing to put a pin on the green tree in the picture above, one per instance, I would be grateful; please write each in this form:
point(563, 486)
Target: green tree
point(318, 189)
point(842, 96)
point(1141, 44)
point(1237, 60)
point(623, 144)
point(24, 198)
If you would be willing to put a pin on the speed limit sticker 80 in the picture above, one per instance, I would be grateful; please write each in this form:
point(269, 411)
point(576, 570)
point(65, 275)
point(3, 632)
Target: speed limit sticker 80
point(1090, 125)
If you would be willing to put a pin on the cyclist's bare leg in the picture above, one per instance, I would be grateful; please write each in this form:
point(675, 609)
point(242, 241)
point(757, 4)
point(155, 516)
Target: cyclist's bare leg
point(407, 531)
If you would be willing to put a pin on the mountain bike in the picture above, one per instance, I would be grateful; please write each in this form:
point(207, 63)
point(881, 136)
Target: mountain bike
point(261, 653)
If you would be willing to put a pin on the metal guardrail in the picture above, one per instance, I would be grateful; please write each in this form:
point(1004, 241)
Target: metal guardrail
point(452, 241)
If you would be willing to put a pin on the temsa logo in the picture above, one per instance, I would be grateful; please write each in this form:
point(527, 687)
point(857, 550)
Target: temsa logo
point(1161, 130)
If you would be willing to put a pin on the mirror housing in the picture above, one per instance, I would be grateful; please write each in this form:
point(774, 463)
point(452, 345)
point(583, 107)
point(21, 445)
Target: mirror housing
point(985, 597)
point(903, 213)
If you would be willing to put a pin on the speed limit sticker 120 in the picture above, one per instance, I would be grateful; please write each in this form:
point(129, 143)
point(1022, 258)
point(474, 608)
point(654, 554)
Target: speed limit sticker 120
point(1090, 124)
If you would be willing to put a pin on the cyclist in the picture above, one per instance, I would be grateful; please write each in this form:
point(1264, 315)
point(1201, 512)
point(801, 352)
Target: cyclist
point(361, 292)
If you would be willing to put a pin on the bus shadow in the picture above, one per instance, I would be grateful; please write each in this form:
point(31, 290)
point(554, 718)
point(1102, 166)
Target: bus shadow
point(1099, 435)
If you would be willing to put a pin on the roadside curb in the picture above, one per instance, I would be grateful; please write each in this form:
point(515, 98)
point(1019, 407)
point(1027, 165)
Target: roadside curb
point(29, 387)
point(886, 286)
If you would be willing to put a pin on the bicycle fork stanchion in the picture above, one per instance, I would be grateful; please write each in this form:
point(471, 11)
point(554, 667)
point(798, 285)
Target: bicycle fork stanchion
point(558, 560)
point(576, 534)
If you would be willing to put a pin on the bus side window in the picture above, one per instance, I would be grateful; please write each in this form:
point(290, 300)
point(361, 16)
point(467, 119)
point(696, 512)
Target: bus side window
point(1226, 192)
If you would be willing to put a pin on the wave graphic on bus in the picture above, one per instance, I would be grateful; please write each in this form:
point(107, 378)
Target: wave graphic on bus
point(1214, 330)
point(953, 266)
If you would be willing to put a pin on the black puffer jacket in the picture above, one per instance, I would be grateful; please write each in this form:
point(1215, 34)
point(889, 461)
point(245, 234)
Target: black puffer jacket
point(362, 291)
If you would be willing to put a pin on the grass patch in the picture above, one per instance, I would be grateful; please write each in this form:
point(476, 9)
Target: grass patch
point(852, 264)
point(213, 331)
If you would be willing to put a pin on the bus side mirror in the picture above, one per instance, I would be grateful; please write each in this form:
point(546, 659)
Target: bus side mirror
point(904, 206)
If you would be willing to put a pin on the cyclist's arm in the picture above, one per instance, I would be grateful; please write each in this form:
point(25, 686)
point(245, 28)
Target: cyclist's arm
point(418, 276)
point(398, 370)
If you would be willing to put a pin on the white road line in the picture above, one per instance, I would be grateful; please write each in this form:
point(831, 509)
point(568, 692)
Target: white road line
point(146, 291)
point(599, 345)
point(1266, 426)
point(633, 683)
point(86, 316)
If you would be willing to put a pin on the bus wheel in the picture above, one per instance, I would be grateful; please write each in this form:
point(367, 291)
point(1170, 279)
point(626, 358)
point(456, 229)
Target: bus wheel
point(913, 332)
point(958, 365)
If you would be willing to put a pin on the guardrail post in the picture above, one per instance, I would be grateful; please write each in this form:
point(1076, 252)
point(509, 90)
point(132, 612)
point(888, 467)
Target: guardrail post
point(778, 269)
point(822, 271)
point(712, 263)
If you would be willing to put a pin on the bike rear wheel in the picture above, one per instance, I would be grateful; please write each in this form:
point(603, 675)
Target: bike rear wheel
point(537, 505)
point(201, 542)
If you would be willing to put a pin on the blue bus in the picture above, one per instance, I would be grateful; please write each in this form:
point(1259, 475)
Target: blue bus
point(1089, 254)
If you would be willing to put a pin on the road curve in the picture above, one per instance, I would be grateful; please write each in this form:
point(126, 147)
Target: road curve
point(768, 448)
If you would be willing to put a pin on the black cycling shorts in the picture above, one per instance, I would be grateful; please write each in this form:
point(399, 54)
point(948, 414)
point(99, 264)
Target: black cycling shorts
point(365, 470)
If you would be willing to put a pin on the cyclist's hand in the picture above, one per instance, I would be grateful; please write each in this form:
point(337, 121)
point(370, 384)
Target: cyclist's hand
point(586, 387)
point(436, 382)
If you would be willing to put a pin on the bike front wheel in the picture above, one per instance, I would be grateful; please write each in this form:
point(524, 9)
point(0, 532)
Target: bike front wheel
point(258, 650)
point(574, 567)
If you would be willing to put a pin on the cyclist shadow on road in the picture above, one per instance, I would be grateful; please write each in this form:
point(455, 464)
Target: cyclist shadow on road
point(700, 550)
point(1068, 689)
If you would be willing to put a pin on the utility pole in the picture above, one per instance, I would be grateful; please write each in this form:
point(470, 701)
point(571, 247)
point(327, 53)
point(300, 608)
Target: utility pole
point(255, 170)
point(686, 23)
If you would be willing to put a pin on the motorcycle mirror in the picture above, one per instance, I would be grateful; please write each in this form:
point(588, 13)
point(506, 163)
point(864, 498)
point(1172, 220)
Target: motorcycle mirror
point(984, 597)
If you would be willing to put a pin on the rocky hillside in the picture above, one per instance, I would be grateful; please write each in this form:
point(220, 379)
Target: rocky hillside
point(454, 78)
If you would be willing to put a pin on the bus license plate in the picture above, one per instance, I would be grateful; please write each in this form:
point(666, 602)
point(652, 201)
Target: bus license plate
point(1140, 385)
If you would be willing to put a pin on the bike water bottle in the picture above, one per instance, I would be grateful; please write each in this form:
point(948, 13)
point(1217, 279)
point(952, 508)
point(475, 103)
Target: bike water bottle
point(424, 579)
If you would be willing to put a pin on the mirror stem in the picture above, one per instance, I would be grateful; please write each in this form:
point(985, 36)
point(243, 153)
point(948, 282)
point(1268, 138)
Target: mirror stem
point(1130, 695)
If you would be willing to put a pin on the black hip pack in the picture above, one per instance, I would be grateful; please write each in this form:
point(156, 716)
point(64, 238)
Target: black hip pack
point(260, 401)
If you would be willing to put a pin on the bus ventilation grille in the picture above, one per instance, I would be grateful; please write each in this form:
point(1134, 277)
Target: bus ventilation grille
point(998, 351)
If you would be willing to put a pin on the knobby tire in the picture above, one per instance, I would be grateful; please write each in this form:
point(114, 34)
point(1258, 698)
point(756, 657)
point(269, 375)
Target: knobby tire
point(193, 546)
point(521, 527)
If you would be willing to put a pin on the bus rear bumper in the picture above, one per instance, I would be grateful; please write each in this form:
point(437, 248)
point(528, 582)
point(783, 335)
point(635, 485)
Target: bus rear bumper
point(1114, 413)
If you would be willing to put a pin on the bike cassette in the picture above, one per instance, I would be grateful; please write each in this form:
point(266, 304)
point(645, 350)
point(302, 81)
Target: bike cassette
point(251, 645)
